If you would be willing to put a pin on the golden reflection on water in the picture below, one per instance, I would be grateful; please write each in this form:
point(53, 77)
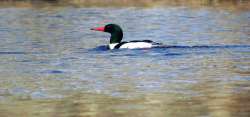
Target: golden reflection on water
point(213, 102)
point(93, 105)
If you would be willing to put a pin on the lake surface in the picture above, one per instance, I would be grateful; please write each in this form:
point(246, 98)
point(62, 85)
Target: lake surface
point(53, 65)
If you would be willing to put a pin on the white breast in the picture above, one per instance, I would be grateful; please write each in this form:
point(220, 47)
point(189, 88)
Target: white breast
point(135, 45)
point(112, 46)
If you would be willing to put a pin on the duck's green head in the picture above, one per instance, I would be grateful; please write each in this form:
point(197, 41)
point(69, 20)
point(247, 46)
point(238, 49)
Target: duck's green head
point(115, 31)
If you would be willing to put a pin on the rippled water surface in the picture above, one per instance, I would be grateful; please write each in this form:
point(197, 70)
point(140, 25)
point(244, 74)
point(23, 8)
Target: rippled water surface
point(52, 65)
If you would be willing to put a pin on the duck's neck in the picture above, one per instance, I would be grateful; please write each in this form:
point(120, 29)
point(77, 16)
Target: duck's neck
point(116, 37)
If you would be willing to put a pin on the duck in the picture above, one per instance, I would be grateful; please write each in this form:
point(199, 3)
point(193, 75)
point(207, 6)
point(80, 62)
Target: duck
point(117, 35)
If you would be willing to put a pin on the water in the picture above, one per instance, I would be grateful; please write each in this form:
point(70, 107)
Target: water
point(52, 64)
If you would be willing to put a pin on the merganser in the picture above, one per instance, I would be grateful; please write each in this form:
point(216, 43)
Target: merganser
point(116, 39)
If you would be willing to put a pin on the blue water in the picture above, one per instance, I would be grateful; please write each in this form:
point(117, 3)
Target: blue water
point(51, 55)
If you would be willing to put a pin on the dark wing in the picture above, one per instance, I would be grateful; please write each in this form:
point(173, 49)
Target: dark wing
point(148, 41)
